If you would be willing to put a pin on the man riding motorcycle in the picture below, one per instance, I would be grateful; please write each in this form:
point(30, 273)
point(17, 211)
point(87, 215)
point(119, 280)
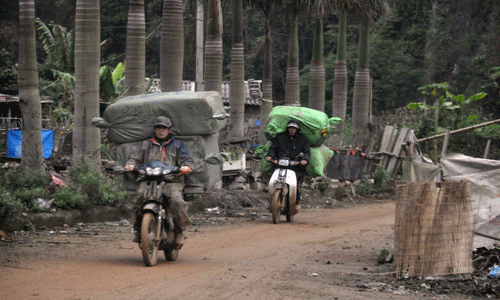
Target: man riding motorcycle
point(292, 144)
point(173, 152)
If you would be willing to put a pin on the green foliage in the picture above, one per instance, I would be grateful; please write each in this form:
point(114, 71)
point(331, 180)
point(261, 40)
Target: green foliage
point(8, 73)
point(70, 197)
point(364, 188)
point(380, 176)
point(10, 206)
point(86, 188)
point(111, 82)
point(100, 190)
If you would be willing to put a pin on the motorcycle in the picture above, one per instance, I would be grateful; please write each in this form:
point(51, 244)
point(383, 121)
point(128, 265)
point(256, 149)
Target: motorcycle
point(283, 189)
point(157, 225)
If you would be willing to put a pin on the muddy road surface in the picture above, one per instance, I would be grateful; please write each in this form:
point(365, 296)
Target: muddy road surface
point(325, 253)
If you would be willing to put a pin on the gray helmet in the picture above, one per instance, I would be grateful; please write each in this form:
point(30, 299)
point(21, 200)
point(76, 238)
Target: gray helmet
point(293, 123)
point(162, 121)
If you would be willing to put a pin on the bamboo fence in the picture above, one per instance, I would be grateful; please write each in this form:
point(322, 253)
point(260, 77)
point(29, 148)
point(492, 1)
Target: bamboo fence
point(433, 229)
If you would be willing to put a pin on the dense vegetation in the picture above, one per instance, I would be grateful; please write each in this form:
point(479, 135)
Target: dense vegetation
point(421, 42)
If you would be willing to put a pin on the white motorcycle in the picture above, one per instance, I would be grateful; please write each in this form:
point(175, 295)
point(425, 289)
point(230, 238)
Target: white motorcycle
point(283, 189)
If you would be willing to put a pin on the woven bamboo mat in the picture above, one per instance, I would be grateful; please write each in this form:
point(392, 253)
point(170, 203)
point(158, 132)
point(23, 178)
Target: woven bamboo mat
point(433, 229)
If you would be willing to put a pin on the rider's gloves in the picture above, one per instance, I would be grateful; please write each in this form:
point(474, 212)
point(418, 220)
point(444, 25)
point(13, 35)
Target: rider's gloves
point(303, 162)
point(184, 170)
point(268, 158)
point(129, 167)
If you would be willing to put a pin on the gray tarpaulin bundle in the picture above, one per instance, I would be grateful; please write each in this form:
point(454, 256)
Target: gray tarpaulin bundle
point(130, 119)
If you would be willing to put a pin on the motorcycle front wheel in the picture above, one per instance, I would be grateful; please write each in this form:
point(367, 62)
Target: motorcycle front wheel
point(275, 206)
point(149, 245)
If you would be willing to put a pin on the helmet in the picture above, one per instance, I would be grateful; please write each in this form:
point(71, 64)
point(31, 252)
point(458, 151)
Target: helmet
point(293, 123)
point(162, 121)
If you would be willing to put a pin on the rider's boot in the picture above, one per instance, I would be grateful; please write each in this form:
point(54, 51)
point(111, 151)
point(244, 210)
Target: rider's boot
point(179, 239)
point(137, 237)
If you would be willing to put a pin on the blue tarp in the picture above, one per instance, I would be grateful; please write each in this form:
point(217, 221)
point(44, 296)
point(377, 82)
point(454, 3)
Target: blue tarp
point(14, 142)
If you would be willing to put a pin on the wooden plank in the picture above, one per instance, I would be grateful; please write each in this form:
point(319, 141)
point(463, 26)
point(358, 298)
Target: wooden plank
point(397, 151)
point(390, 134)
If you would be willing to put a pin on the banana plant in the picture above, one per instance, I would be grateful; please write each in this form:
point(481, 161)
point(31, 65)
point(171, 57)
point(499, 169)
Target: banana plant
point(111, 82)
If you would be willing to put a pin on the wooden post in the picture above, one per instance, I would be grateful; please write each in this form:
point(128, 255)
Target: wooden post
point(487, 150)
point(445, 144)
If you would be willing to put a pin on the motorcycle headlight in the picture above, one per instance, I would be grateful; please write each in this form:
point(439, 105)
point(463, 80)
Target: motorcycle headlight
point(141, 171)
point(156, 171)
point(283, 162)
point(165, 172)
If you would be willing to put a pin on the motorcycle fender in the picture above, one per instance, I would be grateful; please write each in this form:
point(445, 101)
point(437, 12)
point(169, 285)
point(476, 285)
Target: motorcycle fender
point(291, 181)
point(151, 207)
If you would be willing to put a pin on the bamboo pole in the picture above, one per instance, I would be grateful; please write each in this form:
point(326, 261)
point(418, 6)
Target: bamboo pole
point(487, 150)
point(458, 130)
point(446, 140)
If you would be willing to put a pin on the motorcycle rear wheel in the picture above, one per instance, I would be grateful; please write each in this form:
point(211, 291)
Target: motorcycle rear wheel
point(275, 206)
point(149, 246)
point(171, 254)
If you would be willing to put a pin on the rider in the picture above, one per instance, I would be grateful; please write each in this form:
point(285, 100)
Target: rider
point(292, 144)
point(171, 151)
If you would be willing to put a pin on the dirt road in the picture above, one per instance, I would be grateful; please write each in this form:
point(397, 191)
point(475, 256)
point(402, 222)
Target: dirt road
point(323, 254)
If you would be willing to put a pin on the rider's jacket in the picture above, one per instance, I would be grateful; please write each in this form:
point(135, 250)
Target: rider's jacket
point(172, 152)
point(285, 145)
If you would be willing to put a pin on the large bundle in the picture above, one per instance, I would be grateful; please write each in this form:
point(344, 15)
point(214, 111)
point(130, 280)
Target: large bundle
point(317, 162)
point(192, 113)
point(316, 125)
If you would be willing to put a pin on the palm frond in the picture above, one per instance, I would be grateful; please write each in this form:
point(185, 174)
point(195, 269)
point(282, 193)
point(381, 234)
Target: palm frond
point(47, 39)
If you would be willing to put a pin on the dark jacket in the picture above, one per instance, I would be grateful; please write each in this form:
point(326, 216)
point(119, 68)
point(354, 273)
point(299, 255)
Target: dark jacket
point(285, 145)
point(172, 152)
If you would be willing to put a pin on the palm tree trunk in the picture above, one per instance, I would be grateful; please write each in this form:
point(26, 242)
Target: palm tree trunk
point(135, 58)
point(317, 75)
point(29, 97)
point(172, 46)
point(237, 91)
point(86, 138)
point(267, 83)
point(199, 45)
point(213, 48)
point(361, 97)
point(292, 86)
point(339, 91)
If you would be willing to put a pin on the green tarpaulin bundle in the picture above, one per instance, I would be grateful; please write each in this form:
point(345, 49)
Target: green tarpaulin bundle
point(317, 163)
point(316, 125)
point(192, 113)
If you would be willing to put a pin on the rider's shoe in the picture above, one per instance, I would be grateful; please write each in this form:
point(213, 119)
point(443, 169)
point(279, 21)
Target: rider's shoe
point(297, 209)
point(179, 239)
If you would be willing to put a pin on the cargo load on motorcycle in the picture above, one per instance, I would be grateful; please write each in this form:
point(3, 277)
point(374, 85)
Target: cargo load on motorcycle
point(315, 126)
point(196, 117)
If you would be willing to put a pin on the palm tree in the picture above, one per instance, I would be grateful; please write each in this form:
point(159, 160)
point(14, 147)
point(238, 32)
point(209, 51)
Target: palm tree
point(135, 56)
point(172, 46)
point(29, 96)
point(339, 90)
point(292, 85)
point(317, 73)
point(237, 91)
point(268, 7)
point(362, 81)
point(86, 138)
point(199, 44)
point(213, 48)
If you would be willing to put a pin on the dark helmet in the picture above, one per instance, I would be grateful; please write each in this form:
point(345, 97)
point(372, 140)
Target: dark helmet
point(293, 123)
point(162, 121)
